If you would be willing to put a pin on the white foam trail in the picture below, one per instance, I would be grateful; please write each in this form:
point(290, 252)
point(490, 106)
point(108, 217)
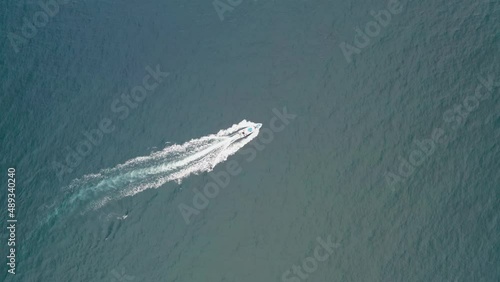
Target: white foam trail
point(173, 163)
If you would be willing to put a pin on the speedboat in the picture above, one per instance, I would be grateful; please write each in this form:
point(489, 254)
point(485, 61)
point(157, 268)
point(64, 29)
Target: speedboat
point(248, 130)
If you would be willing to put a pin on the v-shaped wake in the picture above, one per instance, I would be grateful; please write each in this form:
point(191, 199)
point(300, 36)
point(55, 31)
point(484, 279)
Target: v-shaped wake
point(173, 163)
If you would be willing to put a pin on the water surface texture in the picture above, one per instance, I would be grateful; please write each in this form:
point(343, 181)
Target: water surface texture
point(378, 158)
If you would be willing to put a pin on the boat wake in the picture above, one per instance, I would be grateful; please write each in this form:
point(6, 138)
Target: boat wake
point(173, 163)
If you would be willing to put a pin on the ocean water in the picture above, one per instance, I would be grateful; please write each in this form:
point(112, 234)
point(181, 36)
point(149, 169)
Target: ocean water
point(389, 152)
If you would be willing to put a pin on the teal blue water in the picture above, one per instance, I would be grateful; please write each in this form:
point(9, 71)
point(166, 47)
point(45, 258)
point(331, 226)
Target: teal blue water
point(392, 153)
